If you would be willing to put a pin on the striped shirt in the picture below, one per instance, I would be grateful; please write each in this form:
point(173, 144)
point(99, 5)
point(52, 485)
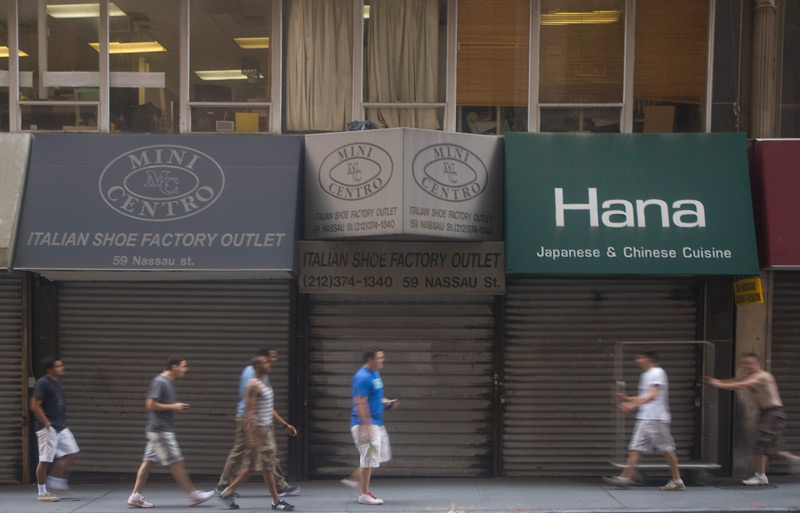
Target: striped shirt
point(264, 405)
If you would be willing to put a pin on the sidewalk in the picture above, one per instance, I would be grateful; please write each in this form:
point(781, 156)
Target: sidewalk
point(542, 495)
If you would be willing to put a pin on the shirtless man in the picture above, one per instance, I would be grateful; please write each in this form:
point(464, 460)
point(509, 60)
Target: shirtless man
point(772, 419)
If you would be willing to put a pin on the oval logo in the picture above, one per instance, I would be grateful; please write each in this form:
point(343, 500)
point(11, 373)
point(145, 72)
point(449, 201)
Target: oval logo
point(449, 172)
point(355, 171)
point(161, 183)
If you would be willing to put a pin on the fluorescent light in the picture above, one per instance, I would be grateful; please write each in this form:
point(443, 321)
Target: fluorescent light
point(140, 47)
point(223, 74)
point(252, 43)
point(580, 18)
point(366, 12)
point(5, 53)
point(81, 11)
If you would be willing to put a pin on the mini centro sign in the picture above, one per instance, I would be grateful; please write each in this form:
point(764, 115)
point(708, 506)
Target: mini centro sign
point(628, 204)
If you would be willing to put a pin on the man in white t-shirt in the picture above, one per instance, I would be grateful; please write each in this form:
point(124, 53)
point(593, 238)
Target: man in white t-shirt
point(651, 431)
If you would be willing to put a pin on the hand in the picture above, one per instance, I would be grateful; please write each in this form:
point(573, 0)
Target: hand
point(364, 433)
point(627, 407)
point(391, 404)
point(290, 429)
point(182, 407)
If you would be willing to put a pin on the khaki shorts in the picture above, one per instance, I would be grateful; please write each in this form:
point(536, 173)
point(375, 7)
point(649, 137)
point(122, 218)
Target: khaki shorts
point(651, 436)
point(162, 448)
point(770, 427)
point(265, 457)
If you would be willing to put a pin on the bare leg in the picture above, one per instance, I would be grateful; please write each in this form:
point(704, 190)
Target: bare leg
point(269, 479)
point(142, 475)
point(181, 477)
point(630, 465)
point(366, 474)
point(672, 461)
point(761, 463)
point(62, 466)
point(240, 478)
point(41, 472)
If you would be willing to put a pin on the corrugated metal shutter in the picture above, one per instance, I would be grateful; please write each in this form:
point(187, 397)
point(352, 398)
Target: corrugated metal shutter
point(114, 337)
point(10, 378)
point(786, 355)
point(439, 354)
point(559, 367)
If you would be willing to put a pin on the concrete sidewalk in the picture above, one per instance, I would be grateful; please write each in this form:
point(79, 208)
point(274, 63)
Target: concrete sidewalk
point(542, 495)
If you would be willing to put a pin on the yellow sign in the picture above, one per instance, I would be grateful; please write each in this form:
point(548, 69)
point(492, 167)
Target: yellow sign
point(748, 292)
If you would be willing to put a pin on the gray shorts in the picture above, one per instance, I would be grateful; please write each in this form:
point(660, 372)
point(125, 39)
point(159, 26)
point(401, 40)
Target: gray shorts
point(162, 448)
point(651, 436)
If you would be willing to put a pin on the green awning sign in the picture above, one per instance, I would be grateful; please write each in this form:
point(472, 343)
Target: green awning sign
point(628, 204)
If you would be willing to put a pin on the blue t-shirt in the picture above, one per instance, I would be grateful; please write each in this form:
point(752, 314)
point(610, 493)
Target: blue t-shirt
point(367, 383)
point(247, 374)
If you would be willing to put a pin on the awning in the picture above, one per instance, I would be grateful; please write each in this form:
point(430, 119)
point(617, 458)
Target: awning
point(173, 206)
point(776, 184)
point(628, 204)
point(14, 149)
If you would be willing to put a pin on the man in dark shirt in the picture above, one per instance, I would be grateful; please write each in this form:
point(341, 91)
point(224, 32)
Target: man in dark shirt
point(56, 441)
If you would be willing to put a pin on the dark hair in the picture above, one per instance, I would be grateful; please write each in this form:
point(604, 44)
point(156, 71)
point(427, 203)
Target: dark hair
point(370, 353)
point(264, 350)
point(649, 352)
point(174, 360)
point(48, 362)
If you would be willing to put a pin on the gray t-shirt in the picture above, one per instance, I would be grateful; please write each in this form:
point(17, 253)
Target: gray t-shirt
point(161, 391)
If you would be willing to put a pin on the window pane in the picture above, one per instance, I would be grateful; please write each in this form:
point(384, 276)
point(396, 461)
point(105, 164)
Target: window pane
point(3, 66)
point(230, 50)
point(670, 71)
point(144, 44)
point(52, 116)
point(404, 60)
point(319, 69)
point(230, 119)
point(492, 75)
point(61, 63)
point(581, 51)
point(790, 101)
point(580, 119)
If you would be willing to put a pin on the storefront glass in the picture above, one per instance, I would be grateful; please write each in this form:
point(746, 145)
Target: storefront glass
point(790, 97)
point(230, 54)
point(492, 74)
point(671, 54)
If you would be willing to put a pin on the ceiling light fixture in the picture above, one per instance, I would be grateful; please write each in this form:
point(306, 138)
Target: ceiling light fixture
point(366, 12)
point(252, 43)
point(580, 18)
point(81, 11)
point(140, 47)
point(5, 53)
point(223, 74)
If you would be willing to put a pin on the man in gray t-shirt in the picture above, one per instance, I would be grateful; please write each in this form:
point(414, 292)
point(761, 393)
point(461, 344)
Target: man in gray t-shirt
point(162, 447)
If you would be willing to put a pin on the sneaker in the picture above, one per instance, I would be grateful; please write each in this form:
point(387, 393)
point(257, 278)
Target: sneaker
point(619, 482)
point(350, 483)
point(198, 497)
point(220, 488)
point(282, 505)
point(58, 484)
point(137, 501)
point(289, 490)
point(228, 501)
point(368, 498)
point(672, 486)
point(756, 480)
point(48, 497)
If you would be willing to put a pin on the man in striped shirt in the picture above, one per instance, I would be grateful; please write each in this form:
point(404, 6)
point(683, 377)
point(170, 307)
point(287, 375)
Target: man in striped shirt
point(260, 416)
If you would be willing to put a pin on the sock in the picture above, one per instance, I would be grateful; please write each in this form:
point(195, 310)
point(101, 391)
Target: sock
point(42, 489)
point(678, 481)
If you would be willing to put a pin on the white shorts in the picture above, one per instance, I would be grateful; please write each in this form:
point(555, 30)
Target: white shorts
point(375, 451)
point(162, 448)
point(651, 436)
point(54, 444)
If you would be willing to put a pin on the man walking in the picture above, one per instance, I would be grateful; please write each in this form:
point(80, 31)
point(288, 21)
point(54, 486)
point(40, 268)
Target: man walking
point(236, 454)
point(162, 446)
point(260, 415)
point(772, 418)
point(56, 442)
point(651, 430)
point(366, 422)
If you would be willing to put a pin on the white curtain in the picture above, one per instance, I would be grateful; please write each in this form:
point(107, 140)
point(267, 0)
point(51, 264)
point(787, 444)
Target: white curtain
point(403, 61)
point(319, 65)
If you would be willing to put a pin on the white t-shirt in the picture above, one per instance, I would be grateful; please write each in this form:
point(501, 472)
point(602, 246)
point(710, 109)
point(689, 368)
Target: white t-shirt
point(658, 408)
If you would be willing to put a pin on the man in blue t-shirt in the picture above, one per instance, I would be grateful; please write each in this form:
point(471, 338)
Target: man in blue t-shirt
point(366, 422)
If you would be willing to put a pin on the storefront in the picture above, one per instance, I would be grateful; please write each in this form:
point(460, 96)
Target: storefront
point(776, 180)
point(609, 239)
point(158, 246)
point(403, 251)
point(13, 313)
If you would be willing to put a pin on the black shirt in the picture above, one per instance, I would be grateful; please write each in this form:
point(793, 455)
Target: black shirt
point(52, 395)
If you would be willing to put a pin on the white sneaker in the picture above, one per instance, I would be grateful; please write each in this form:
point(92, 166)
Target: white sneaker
point(756, 480)
point(198, 497)
point(672, 486)
point(368, 498)
point(48, 497)
point(350, 483)
point(137, 501)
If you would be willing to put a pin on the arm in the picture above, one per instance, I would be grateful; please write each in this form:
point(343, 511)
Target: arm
point(152, 404)
point(633, 403)
point(362, 408)
point(36, 409)
point(733, 384)
point(278, 420)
